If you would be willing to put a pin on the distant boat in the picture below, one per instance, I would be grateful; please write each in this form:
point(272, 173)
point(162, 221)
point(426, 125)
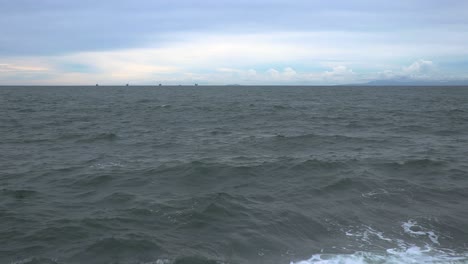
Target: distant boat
point(97, 84)
point(127, 84)
point(159, 84)
point(196, 84)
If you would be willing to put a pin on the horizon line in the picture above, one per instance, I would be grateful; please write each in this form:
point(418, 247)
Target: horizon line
point(237, 85)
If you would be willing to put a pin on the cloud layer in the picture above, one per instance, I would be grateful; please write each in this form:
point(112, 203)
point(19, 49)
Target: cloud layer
point(219, 42)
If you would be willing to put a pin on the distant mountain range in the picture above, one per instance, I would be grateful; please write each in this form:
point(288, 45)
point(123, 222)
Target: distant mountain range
point(411, 82)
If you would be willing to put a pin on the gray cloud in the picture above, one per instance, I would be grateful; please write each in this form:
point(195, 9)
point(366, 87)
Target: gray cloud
point(31, 27)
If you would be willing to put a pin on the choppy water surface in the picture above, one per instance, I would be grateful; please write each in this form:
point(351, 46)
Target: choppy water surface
point(233, 175)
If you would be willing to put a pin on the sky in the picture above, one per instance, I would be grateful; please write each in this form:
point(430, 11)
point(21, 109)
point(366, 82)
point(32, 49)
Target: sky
point(296, 42)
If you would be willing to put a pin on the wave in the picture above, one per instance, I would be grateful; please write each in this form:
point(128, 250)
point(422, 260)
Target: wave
point(314, 141)
point(456, 111)
point(374, 246)
point(325, 138)
point(68, 136)
point(107, 165)
point(417, 165)
point(411, 227)
point(19, 194)
point(186, 260)
point(195, 260)
point(410, 255)
point(421, 163)
point(318, 164)
point(245, 162)
point(447, 132)
point(411, 129)
point(92, 180)
point(36, 260)
point(237, 172)
point(282, 107)
point(220, 131)
point(118, 198)
point(78, 138)
point(162, 106)
point(99, 137)
point(396, 250)
point(125, 250)
point(28, 140)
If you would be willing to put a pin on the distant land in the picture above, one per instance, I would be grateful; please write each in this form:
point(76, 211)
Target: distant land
point(412, 82)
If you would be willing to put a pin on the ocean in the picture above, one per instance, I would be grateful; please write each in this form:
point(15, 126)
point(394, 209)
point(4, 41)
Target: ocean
point(233, 175)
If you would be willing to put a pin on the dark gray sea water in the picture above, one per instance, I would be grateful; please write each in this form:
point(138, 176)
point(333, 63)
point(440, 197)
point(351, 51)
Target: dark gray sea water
point(205, 175)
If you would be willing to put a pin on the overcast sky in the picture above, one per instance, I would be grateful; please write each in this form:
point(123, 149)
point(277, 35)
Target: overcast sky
point(225, 42)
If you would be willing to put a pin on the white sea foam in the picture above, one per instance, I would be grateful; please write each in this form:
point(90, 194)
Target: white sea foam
point(107, 165)
point(35, 260)
point(382, 192)
point(411, 227)
point(402, 252)
point(375, 193)
point(366, 233)
point(159, 261)
point(410, 255)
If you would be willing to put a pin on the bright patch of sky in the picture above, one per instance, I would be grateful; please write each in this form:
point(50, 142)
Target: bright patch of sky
point(226, 42)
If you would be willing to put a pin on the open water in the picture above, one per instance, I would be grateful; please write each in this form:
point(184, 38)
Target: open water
point(205, 175)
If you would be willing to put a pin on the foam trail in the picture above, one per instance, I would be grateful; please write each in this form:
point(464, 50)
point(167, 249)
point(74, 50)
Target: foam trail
point(403, 253)
point(411, 227)
point(411, 255)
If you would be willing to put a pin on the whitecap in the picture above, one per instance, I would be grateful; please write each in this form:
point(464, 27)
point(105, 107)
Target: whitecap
point(365, 233)
point(401, 252)
point(412, 254)
point(411, 227)
point(107, 165)
point(159, 261)
point(375, 193)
